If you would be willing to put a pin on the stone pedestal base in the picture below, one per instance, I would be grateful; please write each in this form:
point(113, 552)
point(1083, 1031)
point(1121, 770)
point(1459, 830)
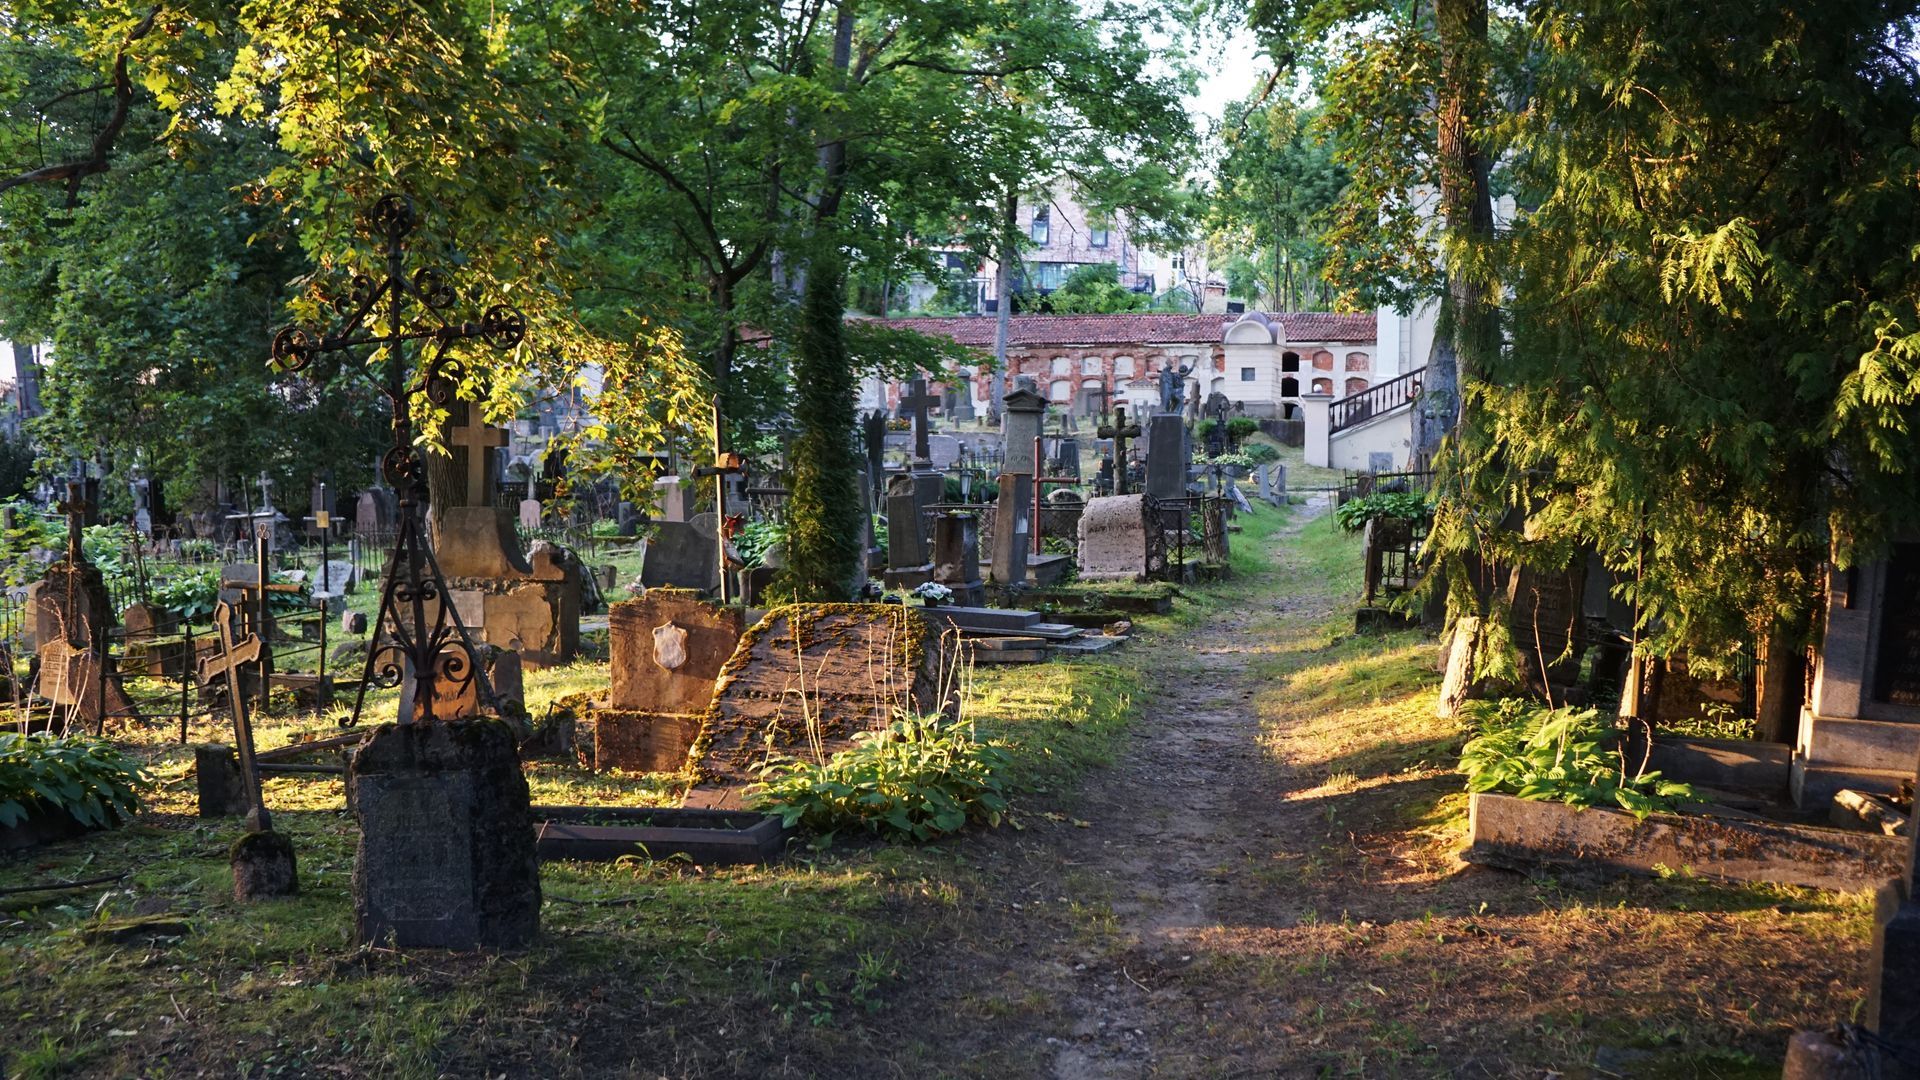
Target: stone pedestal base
point(446, 855)
point(644, 742)
point(908, 577)
point(264, 867)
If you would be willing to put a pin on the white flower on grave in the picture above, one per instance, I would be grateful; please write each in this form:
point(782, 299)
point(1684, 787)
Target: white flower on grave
point(934, 591)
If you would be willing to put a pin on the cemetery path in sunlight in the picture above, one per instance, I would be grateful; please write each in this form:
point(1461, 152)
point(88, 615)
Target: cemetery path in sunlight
point(1265, 884)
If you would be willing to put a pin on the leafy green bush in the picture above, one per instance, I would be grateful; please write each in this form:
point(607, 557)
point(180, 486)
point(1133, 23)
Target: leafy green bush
point(1260, 453)
point(87, 777)
point(1239, 427)
point(917, 778)
point(1558, 755)
point(1405, 505)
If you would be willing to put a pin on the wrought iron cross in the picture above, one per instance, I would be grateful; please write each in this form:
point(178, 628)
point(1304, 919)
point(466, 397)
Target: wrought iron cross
point(916, 403)
point(431, 646)
point(1119, 431)
point(75, 508)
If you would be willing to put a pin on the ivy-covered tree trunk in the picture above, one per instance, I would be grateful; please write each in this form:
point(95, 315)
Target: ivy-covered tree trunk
point(1468, 328)
point(823, 525)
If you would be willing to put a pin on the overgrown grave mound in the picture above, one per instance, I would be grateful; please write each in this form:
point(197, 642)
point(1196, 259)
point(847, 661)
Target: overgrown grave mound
point(808, 678)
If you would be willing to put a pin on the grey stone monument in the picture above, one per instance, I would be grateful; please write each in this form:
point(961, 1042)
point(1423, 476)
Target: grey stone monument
point(1166, 456)
point(1013, 529)
point(1025, 412)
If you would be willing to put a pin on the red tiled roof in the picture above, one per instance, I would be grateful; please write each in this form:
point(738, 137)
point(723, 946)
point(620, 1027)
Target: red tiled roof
point(1157, 328)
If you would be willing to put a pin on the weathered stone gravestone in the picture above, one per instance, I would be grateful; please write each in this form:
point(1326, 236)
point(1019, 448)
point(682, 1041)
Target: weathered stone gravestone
point(335, 578)
point(530, 514)
point(684, 555)
point(530, 605)
point(446, 854)
point(144, 624)
point(909, 560)
point(814, 675)
point(667, 650)
point(373, 512)
point(943, 451)
point(1026, 413)
point(1118, 539)
point(956, 558)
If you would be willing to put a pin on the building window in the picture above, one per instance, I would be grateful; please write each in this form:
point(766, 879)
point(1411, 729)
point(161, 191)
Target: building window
point(1246, 374)
point(1290, 362)
point(1178, 263)
point(1099, 237)
point(1289, 387)
point(1323, 386)
point(1042, 225)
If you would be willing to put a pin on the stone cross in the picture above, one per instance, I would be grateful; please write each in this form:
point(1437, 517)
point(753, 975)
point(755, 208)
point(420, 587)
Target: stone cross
point(76, 510)
point(916, 403)
point(479, 437)
point(1120, 431)
point(266, 491)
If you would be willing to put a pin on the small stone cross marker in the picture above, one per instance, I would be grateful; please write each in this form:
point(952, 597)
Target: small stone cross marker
point(916, 403)
point(478, 437)
point(1119, 431)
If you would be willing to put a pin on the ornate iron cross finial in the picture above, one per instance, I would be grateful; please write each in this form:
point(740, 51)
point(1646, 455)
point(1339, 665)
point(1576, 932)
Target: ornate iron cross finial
point(430, 645)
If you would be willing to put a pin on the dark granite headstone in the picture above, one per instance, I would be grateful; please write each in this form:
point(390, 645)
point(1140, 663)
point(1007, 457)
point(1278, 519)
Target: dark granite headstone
point(1166, 457)
point(956, 557)
point(446, 855)
point(683, 554)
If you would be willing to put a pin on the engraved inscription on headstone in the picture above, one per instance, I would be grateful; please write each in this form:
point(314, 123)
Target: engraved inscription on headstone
point(425, 846)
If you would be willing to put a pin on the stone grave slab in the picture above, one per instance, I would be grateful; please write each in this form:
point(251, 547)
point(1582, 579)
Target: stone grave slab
point(668, 648)
point(848, 667)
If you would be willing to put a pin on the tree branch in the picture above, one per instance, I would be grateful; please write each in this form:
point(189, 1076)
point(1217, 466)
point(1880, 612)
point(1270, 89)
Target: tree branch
point(96, 160)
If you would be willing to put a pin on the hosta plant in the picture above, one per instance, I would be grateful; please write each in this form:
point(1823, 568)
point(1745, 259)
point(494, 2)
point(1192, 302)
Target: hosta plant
point(87, 777)
point(1559, 755)
point(915, 779)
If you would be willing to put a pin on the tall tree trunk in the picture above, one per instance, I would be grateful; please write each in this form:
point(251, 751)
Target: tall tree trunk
point(1003, 285)
point(1467, 333)
point(823, 531)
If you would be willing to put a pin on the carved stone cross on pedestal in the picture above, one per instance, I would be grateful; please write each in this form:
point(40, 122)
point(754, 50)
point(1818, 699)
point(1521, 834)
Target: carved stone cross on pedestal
point(1119, 431)
point(479, 438)
point(916, 403)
